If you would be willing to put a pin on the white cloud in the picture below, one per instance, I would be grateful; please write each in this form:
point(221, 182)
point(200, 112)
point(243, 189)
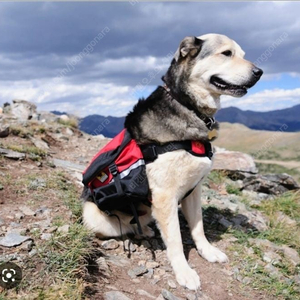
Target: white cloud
point(265, 100)
point(91, 98)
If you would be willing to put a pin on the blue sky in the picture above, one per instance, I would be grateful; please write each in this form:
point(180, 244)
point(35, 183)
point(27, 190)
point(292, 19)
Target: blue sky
point(99, 57)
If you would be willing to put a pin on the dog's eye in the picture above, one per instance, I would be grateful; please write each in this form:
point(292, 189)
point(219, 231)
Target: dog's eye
point(227, 53)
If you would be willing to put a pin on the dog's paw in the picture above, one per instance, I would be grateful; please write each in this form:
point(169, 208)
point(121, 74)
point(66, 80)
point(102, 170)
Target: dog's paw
point(213, 254)
point(147, 232)
point(188, 278)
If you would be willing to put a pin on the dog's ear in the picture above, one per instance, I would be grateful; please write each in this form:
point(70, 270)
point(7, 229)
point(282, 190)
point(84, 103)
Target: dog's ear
point(190, 45)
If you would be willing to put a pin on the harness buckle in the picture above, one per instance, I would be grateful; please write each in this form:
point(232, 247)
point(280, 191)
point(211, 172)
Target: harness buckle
point(210, 123)
point(154, 151)
point(113, 170)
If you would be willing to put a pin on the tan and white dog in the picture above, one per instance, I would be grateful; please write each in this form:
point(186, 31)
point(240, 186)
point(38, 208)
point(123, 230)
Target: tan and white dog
point(203, 69)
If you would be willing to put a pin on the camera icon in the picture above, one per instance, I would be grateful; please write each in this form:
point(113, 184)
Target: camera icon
point(10, 275)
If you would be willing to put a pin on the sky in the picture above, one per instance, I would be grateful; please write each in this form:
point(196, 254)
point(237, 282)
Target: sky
point(99, 57)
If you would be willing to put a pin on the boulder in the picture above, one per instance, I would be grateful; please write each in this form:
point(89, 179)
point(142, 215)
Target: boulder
point(23, 110)
point(270, 184)
point(4, 131)
point(233, 161)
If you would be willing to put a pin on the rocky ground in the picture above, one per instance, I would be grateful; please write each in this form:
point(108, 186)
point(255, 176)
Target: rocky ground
point(255, 219)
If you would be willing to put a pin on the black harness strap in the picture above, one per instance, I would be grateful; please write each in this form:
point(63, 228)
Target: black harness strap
point(151, 151)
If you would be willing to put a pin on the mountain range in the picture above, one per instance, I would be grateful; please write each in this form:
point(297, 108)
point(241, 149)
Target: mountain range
point(288, 119)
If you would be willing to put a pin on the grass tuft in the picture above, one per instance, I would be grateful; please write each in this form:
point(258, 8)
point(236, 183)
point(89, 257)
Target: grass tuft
point(71, 122)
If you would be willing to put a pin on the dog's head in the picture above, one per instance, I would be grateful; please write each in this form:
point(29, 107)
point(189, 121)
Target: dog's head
point(212, 63)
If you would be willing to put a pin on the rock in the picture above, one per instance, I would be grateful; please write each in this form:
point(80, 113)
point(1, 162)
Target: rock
point(39, 143)
point(129, 246)
point(42, 212)
point(118, 261)
point(152, 264)
point(68, 165)
point(12, 154)
point(160, 272)
point(33, 252)
point(272, 271)
point(145, 294)
point(115, 295)
point(13, 239)
point(4, 131)
point(27, 246)
point(46, 236)
point(69, 132)
point(19, 216)
point(172, 284)
point(142, 263)
point(63, 229)
point(26, 211)
point(110, 244)
point(103, 267)
point(200, 296)
point(23, 110)
point(270, 184)
point(38, 183)
point(264, 243)
point(233, 161)
point(168, 295)
point(149, 274)
point(20, 231)
point(271, 257)
point(6, 108)
point(291, 254)
point(239, 220)
point(137, 271)
point(51, 229)
point(64, 118)
point(225, 223)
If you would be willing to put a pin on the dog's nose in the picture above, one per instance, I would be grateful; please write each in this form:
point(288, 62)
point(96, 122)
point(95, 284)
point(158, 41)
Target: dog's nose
point(257, 72)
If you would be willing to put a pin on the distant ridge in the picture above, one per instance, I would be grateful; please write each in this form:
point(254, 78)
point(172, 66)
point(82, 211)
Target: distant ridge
point(97, 124)
point(58, 113)
point(270, 120)
point(288, 118)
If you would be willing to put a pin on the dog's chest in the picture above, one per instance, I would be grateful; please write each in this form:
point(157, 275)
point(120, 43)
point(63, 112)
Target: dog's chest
point(177, 170)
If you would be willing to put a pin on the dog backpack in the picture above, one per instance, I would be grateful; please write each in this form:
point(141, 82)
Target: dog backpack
point(117, 174)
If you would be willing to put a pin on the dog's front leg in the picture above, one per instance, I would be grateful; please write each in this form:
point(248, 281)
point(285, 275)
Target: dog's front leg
point(191, 208)
point(165, 211)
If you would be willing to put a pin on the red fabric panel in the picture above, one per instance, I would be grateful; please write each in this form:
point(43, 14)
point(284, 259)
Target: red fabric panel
point(113, 144)
point(130, 154)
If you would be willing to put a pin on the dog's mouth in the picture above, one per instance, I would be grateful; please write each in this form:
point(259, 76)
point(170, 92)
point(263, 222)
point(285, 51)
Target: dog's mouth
point(229, 88)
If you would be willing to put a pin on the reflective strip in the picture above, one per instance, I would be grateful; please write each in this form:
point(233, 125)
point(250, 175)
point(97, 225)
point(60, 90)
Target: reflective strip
point(137, 164)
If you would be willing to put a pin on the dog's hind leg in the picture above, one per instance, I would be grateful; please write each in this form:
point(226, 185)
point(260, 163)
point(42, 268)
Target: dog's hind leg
point(165, 212)
point(191, 208)
point(104, 225)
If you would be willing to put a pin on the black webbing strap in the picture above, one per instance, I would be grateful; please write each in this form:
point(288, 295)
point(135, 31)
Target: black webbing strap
point(151, 151)
point(136, 217)
point(115, 173)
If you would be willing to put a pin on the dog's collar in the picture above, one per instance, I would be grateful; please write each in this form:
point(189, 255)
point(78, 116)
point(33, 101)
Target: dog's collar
point(209, 121)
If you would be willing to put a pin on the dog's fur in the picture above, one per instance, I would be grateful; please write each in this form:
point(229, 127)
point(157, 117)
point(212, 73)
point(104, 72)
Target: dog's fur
point(203, 68)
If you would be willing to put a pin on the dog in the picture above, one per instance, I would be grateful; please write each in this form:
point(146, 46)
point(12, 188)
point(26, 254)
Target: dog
point(203, 69)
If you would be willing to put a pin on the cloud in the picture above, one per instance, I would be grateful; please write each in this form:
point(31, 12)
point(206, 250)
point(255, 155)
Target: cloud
point(39, 40)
